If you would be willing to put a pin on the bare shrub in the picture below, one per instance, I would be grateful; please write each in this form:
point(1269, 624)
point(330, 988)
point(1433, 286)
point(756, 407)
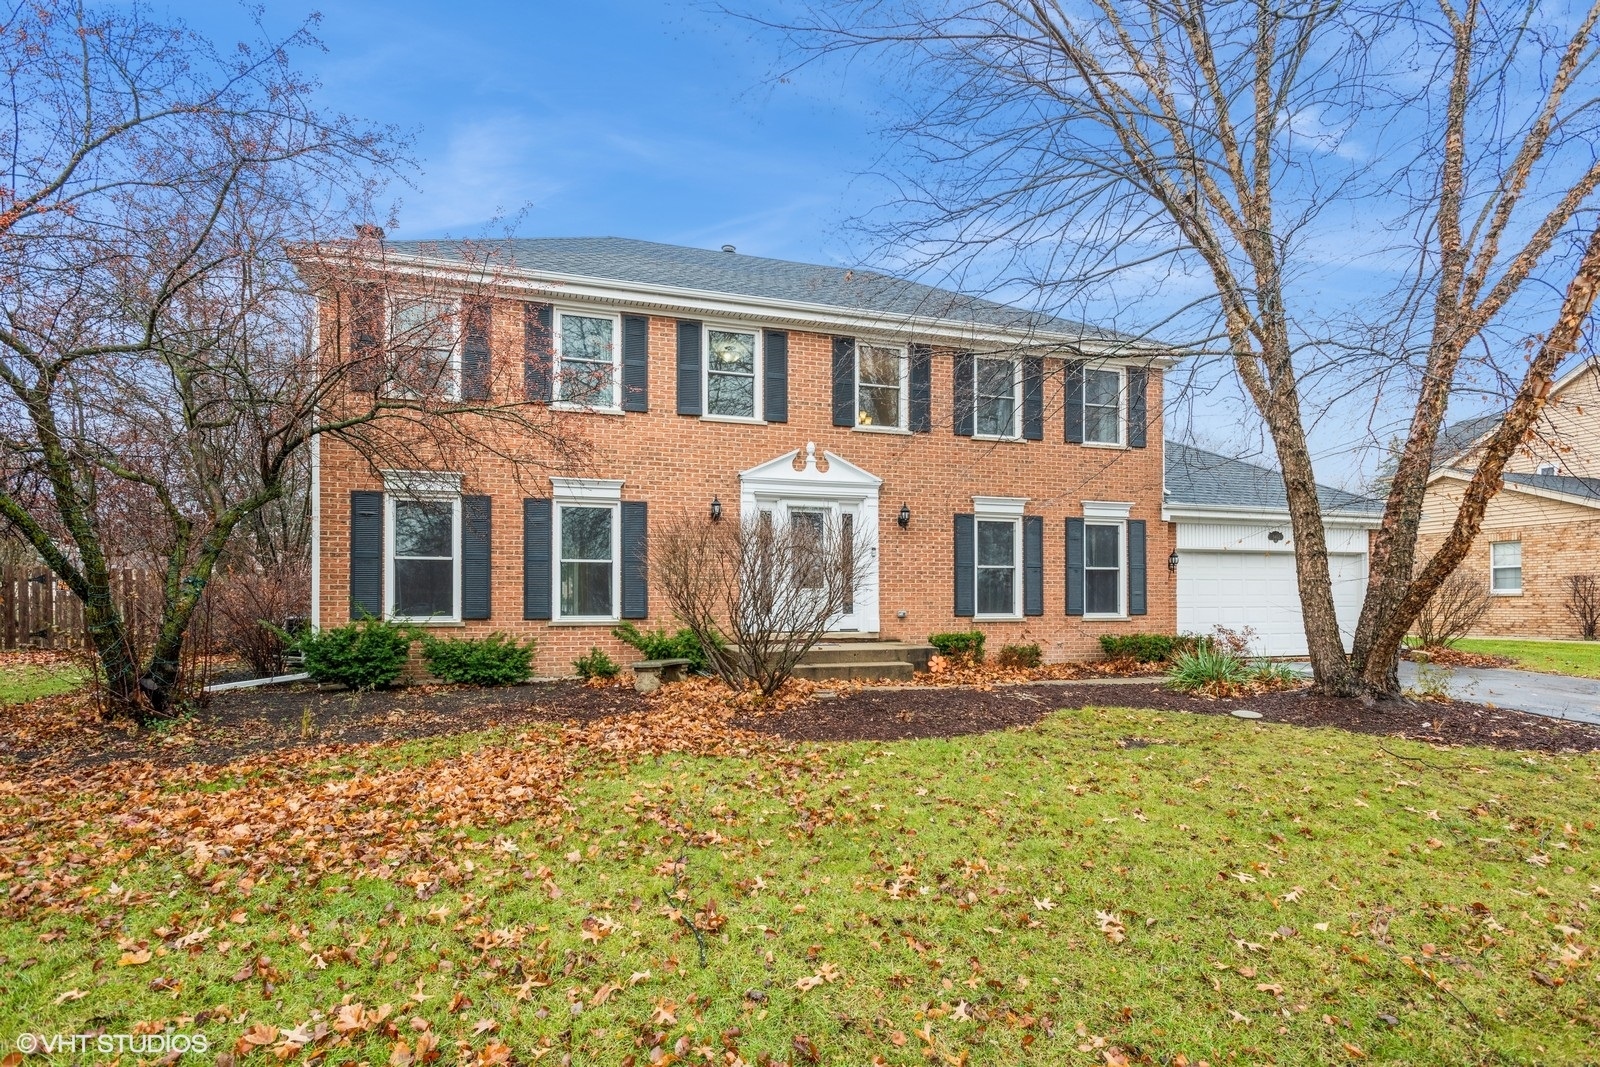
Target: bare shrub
point(1583, 604)
point(758, 593)
point(1461, 600)
point(251, 610)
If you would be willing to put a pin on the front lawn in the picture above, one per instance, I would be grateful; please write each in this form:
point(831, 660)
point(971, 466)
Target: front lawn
point(1580, 658)
point(21, 682)
point(1107, 886)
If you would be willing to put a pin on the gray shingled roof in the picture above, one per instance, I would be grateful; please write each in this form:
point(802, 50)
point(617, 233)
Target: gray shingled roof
point(1558, 483)
point(624, 259)
point(1200, 478)
point(1457, 437)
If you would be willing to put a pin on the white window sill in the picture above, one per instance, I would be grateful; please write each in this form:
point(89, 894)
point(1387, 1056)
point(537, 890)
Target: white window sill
point(1105, 618)
point(883, 429)
point(999, 440)
point(614, 620)
point(583, 409)
point(998, 618)
point(736, 420)
point(1505, 592)
point(1117, 445)
point(425, 620)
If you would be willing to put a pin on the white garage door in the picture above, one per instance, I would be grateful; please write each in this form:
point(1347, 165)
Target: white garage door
point(1240, 589)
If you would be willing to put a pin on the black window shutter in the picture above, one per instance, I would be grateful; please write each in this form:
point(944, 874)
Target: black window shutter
point(475, 358)
point(1033, 398)
point(1033, 565)
point(366, 554)
point(688, 367)
point(1074, 404)
point(844, 381)
point(775, 376)
point(635, 559)
point(963, 393)
point(475, 557)
point(538, 351)
point(635, 363)
point(536, 516)
point(966, 566)
point(1138, 408)
point(1074, 566)
point(367, 368)
point(1138, 603)
point(921, 389)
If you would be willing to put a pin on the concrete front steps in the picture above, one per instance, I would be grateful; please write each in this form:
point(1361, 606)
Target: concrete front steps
point(865, 658)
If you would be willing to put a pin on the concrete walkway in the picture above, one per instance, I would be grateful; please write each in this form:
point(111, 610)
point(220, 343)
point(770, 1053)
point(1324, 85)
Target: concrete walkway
point(1555, 695)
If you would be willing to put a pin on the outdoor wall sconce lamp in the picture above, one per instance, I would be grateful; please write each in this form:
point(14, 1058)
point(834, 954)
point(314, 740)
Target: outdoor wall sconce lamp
point(716, 510)
point(905, 516)
point(1172, 562)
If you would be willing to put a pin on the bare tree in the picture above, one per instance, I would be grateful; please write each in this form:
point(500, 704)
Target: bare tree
point(758, 593)
point(1459, 603)
point(1583, 604)
point(162, 367)
point(1068, 147)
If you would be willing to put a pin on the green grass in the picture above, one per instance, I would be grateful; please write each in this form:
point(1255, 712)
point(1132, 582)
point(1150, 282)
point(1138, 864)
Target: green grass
point(1580, 658)
point(1280, 895)
point(18, 685)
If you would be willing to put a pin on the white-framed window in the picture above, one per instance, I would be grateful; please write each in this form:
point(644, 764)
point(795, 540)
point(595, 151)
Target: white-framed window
point(997, 581)
point(588, 547)
point(996, 396)
point(588, 359)
point(1505, 567)
point(732, 372)
point(1102, 406)
point(423, 349)
point(1548, 468)
point(424, 556)
point(881, 386)
point(1103, 546)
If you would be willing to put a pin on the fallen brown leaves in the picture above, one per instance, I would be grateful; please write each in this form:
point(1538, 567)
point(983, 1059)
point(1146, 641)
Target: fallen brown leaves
point(946, 672)
point(1440, 656)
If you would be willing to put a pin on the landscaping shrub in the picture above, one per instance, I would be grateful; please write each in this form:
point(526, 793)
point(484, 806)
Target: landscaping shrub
point(1208, 669)
point(658, 644)
point(1583, 603)
point(966, 646)
point(251, 614)
point(1272, 675)
point(1142, 648)
point(1454, 610)
point(1022, 656)
point(368, 654)
point(493, 660)
point(596, 664)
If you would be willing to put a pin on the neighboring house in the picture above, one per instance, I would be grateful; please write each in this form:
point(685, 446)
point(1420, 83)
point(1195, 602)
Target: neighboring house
point(1543, 526)
point(1235, 557)
point(1005, 468)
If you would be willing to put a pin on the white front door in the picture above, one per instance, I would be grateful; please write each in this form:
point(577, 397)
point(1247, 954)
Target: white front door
point(832, 522)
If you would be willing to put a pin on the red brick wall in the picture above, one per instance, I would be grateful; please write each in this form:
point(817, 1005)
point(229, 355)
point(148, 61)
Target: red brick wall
point(679, 463)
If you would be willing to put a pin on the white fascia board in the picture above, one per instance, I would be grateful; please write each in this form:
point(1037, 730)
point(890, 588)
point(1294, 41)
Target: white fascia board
point(795, 313)
point(1530, 490)
point(1266, 516)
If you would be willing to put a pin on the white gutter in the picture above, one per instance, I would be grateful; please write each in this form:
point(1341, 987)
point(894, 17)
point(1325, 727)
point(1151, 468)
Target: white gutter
point(1268, 516)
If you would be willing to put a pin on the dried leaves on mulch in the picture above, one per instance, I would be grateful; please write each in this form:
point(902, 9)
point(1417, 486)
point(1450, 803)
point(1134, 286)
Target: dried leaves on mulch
point(1440, 656)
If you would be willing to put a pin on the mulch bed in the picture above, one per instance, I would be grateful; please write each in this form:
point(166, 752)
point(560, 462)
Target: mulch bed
point(52, 738)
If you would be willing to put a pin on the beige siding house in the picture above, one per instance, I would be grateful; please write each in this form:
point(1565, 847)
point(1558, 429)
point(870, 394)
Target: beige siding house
point(1543, 526)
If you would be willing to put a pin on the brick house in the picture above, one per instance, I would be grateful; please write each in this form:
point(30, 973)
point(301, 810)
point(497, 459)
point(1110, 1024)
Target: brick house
point(1005, 468)
point(1544, 524)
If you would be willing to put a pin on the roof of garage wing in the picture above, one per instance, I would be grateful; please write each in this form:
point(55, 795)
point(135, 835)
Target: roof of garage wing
point(1201, 481)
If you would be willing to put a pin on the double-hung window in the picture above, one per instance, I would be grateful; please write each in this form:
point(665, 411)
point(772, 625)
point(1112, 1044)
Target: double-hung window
point(997, 396)
point(424, 557)
point(422, 345)
point(881, 386)
point(732, 385)
point(587, 359)
point(1102, 406)
point(1505, 567)
point(998, 552)
point(588, 547)
point(1102, 568)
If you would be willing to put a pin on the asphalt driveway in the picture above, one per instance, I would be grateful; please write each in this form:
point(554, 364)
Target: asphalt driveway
point(1555, 695)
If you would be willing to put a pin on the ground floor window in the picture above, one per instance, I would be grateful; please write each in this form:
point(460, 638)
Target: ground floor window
point(424, 576)
point(1102, 568)
point(997, 567)
point(588, 572)
point(1505, 566)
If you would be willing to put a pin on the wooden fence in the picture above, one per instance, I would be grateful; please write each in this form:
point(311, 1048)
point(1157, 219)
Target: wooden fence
point(37, 611)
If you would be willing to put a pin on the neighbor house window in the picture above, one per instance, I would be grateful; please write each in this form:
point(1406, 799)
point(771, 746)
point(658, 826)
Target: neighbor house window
point(996, 396)
point(1102, 406)
point(422, 345)
point(588, 571)
point(1505, 566)
point(424, 576)
point(998, 552)
point(1548, 468)
point(880, 386)
point(730, 373)
point(1102, 568)
point(586, 359)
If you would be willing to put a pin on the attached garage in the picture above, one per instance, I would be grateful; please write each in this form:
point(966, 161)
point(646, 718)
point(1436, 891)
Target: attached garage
point(1235, 554)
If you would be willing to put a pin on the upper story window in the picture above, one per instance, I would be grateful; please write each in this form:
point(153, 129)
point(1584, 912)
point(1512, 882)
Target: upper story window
point(997, 396)
point(424, 572)
point(422, 344)
point(1102, 406)
point(1505, 567)
point(881, 386)
point(587, 358)
point(731, 383)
